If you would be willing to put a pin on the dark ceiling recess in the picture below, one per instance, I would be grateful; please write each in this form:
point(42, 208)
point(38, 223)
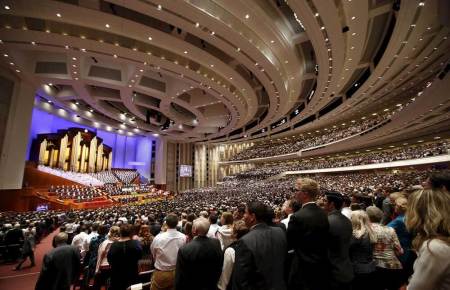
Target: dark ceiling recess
point(305, 121)
point(386, 39)
point(358, 83)
point(330, 106)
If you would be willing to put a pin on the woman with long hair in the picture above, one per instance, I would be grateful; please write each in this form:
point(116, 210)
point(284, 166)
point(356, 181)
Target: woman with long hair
point(428, 217)
point(361, 251)
point(146, 239)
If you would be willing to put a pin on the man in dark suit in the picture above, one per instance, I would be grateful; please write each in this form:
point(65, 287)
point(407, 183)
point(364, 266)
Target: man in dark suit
point(260, 255)
point(61, 266)
point(199, 263)
point(307, 234)
point(339, 242)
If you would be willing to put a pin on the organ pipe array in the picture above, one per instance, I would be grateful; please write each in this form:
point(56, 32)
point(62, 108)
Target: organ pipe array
point(74, 149)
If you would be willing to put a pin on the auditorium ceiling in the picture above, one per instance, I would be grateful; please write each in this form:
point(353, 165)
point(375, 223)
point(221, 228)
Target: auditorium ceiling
point(224, 70)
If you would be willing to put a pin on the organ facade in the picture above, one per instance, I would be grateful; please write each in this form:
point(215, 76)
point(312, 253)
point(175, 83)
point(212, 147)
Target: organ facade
point(74, 149)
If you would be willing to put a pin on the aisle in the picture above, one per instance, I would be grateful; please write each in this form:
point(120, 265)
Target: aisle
point(26, 278)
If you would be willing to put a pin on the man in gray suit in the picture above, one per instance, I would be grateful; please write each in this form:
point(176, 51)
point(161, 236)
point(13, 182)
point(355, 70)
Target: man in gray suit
point(260, 254)
point(61, 266)
point(340, 237)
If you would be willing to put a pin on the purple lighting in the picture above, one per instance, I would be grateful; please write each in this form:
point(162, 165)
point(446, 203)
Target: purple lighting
point(132, 152)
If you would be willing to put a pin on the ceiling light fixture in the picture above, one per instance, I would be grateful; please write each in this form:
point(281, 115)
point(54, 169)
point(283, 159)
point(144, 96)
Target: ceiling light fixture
point(317, 14)
point(59, 15)
point(150, 38)
point(197, 24)
point(107, 25)
point(159, 7)
point(7, 7)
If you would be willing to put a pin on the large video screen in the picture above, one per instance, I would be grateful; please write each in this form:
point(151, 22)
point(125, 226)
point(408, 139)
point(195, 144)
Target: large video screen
point(185, 171)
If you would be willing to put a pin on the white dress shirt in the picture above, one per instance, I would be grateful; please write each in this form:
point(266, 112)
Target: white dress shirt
point(286, 220)
point(228, 263)
point(213, 229)
point(81, 242)
point(165, 248)
point(347, 212)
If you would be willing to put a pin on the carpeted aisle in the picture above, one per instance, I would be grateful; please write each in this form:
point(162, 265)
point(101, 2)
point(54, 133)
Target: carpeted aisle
point(26, 278)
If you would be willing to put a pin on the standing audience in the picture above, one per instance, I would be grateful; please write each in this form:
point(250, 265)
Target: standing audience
point(164, 248)
point(340, 235)
point(428, 215)
point(308, 234)
point(386, 249)
point(123, 256)
point(199, 263)
point(61, 266)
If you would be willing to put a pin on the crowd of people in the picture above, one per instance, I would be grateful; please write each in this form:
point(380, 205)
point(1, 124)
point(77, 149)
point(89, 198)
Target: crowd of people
point(359, 158)
point(308, 140)
point(78, 193)
point(355, 231)
point(82, 178)
point(106, 176)
point(126, 175)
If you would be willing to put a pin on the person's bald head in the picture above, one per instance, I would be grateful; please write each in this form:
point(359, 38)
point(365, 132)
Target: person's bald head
point(61, 239)
point(200, 227)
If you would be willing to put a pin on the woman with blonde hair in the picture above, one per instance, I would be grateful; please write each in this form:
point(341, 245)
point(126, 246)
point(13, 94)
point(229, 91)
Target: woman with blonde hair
point(361, 251)
point(428, 217)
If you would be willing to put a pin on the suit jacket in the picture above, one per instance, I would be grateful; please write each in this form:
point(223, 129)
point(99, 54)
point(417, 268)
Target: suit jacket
point(260, 257)
point(339, 246)
point(199, 264)
point(60, 269)
point(307, 234)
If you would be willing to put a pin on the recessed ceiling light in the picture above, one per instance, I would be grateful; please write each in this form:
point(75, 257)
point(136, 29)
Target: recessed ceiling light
point(83, 49)
point(77, 103)
point(211, 65)
point(322, 28)
point(74, 58)
point(107, 25)
point(354, 33)
point(212, 33)
point(7, 7)
point(159, 7)
point(66, 46)
point(59, 15)
point(272, 41)
point(115, 55)
point(150, 38)
point(5, 55)
point(141, 70)
point(238, 49)
point(352, 47)
point(33, 43)
point(353, 17)
point(317, 14)
point(197, 24)
point(11, 63)
point(421, 3)
point(247, 16)
point(18, 70)
point(185, 52)
point(74, 65)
